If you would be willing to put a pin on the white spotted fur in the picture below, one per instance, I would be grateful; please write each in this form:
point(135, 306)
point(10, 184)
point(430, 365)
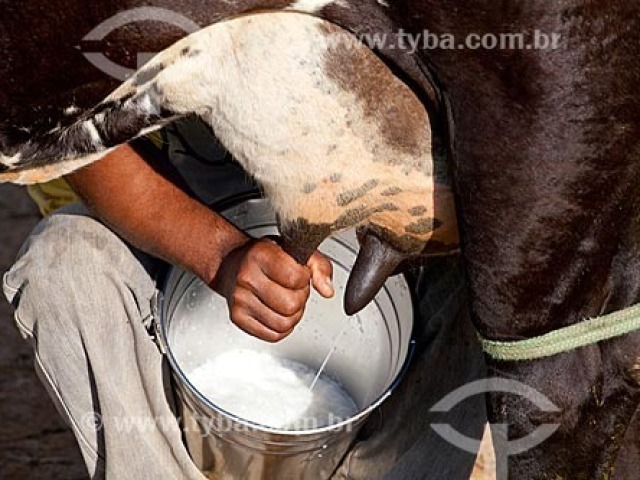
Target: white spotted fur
point(311, 6)
point(47, 173)
point(10, 161)
point(93, 133)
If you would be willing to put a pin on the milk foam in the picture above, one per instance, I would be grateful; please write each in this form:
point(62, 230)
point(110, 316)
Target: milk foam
point(272, 392)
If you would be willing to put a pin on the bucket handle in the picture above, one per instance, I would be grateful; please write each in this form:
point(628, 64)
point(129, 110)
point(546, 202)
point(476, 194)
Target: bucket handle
point(157, 304)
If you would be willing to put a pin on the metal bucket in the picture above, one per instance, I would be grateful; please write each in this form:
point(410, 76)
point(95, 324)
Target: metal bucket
point(370, 359)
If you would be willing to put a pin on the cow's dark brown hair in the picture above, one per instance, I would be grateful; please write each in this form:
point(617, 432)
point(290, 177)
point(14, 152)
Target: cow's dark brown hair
point(547, 170)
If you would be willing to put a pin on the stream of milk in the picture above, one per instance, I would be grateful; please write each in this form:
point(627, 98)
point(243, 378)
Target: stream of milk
point(271, 391)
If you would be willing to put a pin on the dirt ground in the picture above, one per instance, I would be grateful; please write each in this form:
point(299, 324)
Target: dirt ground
point(34, 442)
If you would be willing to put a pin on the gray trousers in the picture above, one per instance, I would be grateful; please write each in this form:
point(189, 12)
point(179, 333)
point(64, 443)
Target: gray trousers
point(83, 297)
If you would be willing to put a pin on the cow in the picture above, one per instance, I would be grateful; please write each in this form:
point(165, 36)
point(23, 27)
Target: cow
point(543, 147)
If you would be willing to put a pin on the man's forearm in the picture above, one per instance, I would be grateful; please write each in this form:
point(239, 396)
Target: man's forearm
point(153, 214)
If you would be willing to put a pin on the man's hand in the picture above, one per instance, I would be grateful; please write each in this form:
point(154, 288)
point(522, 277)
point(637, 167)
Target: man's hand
point(267, 290)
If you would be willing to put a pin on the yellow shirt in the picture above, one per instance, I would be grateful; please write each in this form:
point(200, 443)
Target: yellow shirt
point(52, 195)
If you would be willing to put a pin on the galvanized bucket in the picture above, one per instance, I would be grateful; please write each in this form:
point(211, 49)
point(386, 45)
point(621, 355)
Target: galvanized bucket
point(372, 353)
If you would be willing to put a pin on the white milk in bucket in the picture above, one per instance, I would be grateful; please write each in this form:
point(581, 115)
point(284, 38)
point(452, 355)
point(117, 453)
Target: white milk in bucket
point(272, 391)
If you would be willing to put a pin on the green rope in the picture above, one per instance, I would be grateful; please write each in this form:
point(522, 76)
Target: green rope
point(566, 339)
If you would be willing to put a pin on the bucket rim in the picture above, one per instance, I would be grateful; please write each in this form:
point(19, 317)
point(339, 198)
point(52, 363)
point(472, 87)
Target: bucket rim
point(163, 334)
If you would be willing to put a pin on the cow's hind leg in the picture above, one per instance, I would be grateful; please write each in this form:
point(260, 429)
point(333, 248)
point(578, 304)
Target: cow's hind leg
point(33, 157)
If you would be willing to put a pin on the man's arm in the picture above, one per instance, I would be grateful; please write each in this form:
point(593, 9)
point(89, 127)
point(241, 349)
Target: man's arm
point(266, 289)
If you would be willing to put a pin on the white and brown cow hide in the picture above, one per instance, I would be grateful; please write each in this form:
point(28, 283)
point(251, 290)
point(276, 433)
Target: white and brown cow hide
point(333, 137)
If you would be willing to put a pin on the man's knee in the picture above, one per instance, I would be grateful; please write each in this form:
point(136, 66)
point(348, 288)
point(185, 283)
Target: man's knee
point(69, 258)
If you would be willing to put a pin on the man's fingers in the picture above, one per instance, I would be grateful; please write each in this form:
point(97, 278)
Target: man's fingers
point(281, 300)
point(253, 327)
point(281, 268)
point(246, 301)
point(321, 274)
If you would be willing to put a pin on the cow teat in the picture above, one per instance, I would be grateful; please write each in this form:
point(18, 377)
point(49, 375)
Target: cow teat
point(376, 262)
